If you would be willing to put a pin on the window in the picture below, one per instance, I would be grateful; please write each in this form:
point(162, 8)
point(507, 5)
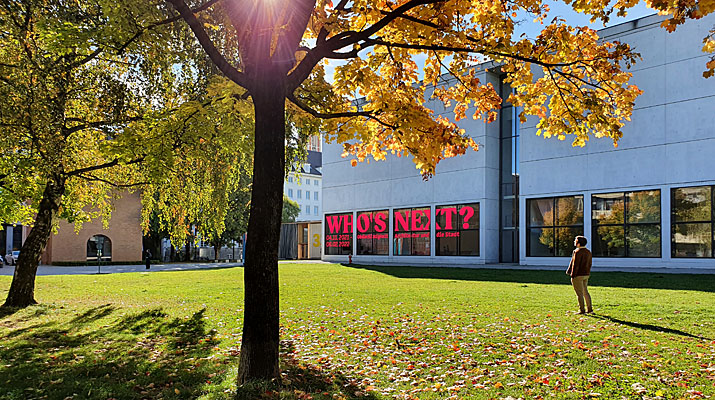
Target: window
point(299, 193)
point(307, 181)
point(372, 236)
point(457, 230)
point(626, 224)
point(315, 210)
point(290, 179)
point(412, 232)
point(315, 196)
point(692, 221)
point(339, 234)
point(290, 193)
point(307, 194)
point(307, 209)
point(317, 182)
point(99, 247)
point(552, 224)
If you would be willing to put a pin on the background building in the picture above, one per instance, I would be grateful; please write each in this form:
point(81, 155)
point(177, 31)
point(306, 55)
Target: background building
point(302, 240)
point(305, 186)
point(522, 199)
point(121, 241)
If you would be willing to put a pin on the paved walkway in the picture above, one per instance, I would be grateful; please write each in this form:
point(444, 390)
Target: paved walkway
point(114, 269)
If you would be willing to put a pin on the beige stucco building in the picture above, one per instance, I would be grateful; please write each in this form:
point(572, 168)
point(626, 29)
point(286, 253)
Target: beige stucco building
point(122, 239)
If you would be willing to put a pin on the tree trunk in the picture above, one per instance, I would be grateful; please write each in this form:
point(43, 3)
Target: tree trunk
point(259, 346)
point(22, 288)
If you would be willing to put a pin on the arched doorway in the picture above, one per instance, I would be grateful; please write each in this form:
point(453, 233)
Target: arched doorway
point(99, 247)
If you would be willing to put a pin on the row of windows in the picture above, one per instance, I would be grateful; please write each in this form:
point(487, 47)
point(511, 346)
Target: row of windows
point(300, 194)
point(307, 181)
point(307, 209)
point(457, 231)
point(624, 224)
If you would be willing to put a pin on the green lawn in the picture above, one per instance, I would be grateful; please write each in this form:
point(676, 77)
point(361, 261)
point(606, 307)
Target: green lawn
point(365, 333)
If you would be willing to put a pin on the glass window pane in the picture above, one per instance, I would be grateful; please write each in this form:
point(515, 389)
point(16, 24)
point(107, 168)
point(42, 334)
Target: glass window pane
point(643, 240)
point(338, 234)
point(469, 243)
point(607, 208)
point(643, 206)
point(446, 246)
point(421, 245)
point(541, 242)
point(692, 204)
point(692, 240)
point(469, 216)
point(402, 244)
point(506, 154)
point(364, 244)
point(564, 240)
point(381, 245)
point(541, 212)
point(569, 210)
point(608, 241)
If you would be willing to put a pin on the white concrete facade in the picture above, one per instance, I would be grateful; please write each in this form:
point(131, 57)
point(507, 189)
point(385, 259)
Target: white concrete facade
point(670, 143)
point(305, 188)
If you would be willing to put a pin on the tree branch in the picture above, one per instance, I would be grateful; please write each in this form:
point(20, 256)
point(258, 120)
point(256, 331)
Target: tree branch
point(109, 164)
point(214, 54)
point(344, 39)
point(96, 124)
point(348, 114)
point(118, 185)
point(167, 21)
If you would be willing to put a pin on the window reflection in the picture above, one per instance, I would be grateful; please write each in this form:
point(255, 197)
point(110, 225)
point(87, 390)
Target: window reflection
point(692, 216)
point(626, 224)
point(552, 225)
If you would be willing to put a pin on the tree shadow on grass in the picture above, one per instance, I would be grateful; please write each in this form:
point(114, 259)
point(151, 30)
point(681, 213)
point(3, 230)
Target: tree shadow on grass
point(305, 381)
point(648, 327)
point(631, 280)
point(97, 356)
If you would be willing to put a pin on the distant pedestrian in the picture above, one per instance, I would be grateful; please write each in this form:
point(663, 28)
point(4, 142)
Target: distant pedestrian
point(580, 270)
point(147, 258)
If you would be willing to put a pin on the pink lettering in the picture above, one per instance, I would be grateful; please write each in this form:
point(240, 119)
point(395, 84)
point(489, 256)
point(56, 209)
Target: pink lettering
point(348, 227)
point(380, 222)
point(333, 223)
point(363, 223)
point(401, 220)
point(449, 213)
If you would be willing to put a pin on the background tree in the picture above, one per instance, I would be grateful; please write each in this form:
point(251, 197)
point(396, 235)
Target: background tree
point(580, 90)
point(291, 209)
point(73, 77)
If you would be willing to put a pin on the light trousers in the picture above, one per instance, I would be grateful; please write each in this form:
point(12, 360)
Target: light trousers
point(580, 286)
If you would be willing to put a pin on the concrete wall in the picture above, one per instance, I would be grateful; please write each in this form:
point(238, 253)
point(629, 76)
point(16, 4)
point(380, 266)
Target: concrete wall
point(669, 142)
point(396, 183)
point(124, 231)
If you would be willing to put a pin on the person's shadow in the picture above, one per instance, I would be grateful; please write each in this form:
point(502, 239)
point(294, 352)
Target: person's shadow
point(648, 327)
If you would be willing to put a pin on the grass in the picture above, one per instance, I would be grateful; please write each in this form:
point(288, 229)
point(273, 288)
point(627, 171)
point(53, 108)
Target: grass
point(364, 333)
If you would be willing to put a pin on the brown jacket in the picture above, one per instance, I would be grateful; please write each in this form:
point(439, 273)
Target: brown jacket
point(580, 264)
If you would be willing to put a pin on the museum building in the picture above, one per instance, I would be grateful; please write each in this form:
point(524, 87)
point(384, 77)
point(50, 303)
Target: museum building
point(521, 198)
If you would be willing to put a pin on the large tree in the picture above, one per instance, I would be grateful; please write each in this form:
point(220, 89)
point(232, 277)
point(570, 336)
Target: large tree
point(276, 50)
point(80, 84)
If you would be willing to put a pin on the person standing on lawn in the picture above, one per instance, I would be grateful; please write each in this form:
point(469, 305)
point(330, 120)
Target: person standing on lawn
point(147, 258)
point(580, 270)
